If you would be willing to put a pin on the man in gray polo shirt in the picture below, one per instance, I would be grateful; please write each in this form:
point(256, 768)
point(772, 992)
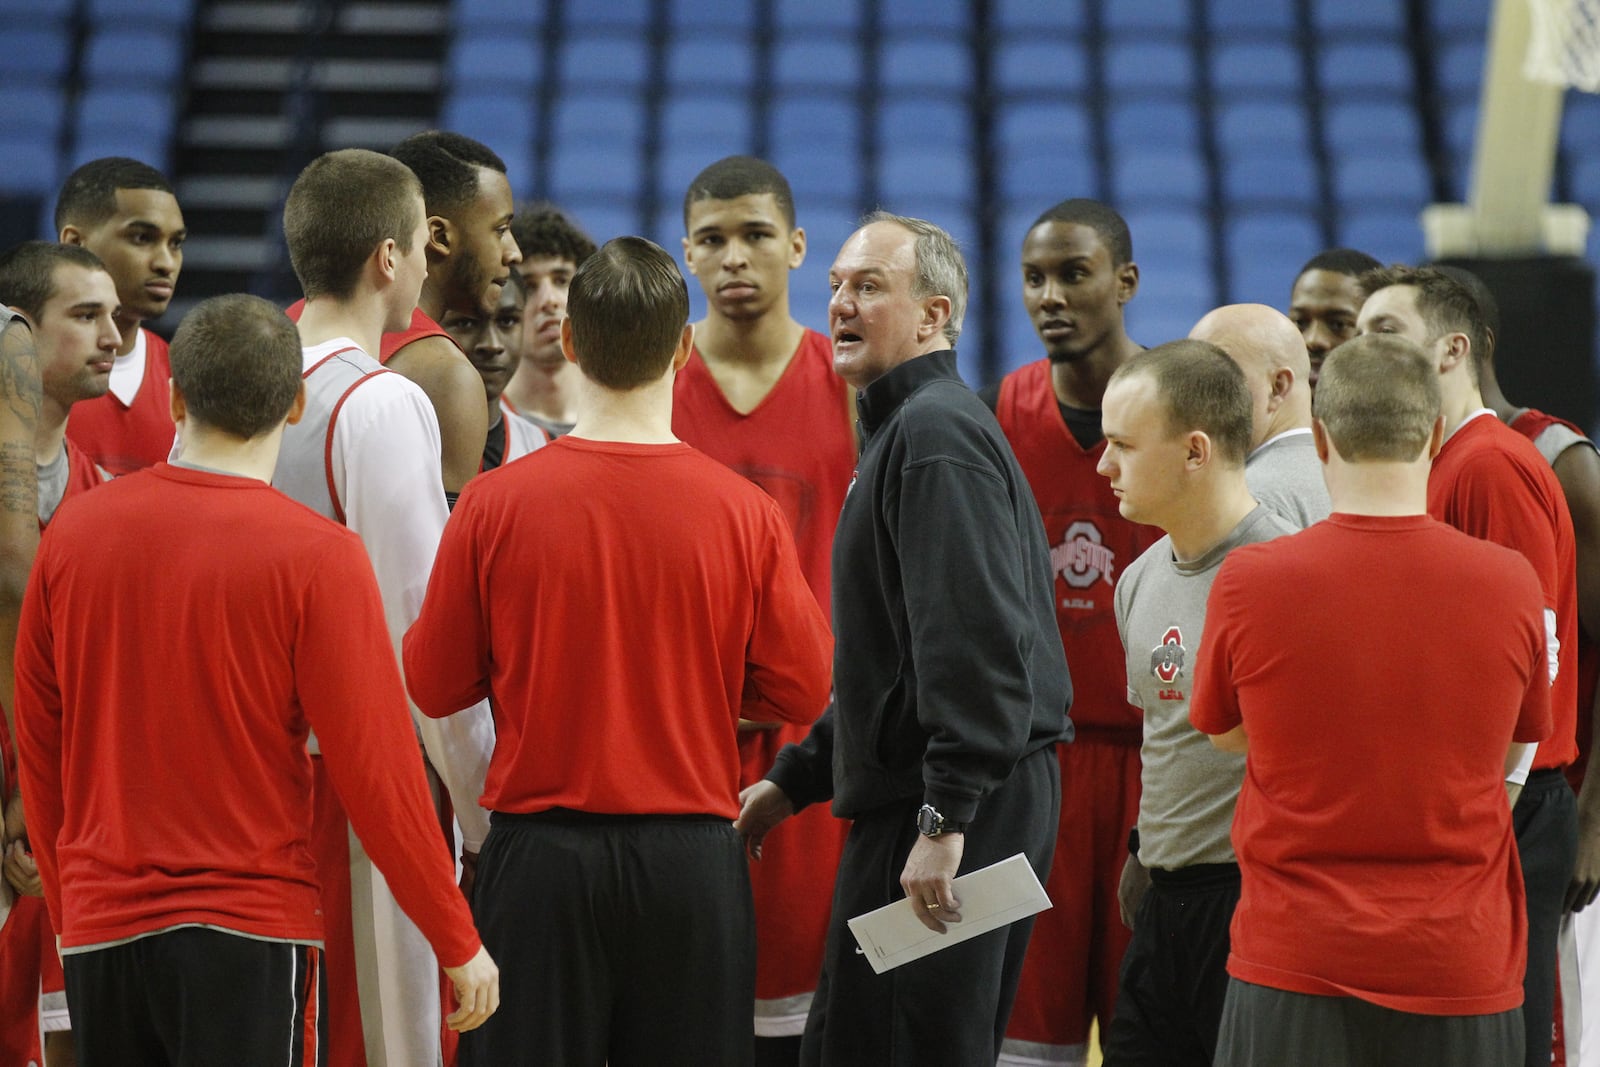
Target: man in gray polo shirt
point(1177, 428)
point(1282, 469)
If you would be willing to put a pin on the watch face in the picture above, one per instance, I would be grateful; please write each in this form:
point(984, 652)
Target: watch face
point(929, 821)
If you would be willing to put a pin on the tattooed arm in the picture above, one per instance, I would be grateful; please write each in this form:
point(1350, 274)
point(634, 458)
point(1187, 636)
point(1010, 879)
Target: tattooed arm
point(19, 491)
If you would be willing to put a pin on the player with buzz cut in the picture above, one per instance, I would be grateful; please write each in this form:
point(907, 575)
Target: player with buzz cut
point(1325, 300)
point(1078, 274)
point(544, 387)
point(366, 454)
point(492, 341)
point(125, 212)
point(759, 393)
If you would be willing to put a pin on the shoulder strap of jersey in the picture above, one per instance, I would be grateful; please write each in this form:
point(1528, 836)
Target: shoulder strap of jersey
point(327, 444)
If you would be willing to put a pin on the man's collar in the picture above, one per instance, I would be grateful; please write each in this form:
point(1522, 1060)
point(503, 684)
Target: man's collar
point(879, 400)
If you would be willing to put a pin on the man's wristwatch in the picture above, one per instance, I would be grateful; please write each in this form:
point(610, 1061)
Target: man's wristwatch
point(931, 824)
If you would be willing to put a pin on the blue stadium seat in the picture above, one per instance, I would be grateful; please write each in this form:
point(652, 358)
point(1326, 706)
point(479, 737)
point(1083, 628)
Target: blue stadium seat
point(711, 16)
point(939, 177)
point(1146, 175)
point(28, 165)
point(1369, 18)
point(1175, 236)
point(678, 164)
point(32, 111)
point(36, 13)
point(498, 16)
point(1393, 235)
point(1032, 177)
point(827, 227)
point(589, 174)
point(1381, 181)
point(1153, 122)
point(603, 219)
point(36, 53)
point(1041, 123)
point(1145, 66)
point(1230, 18)
point(1262, 126)
point(1580, 121)
point(1039, 16)
point(817, 63)
point(1368, 67)
point(917, 120)
point(119, 141)
point(604, 61)
point(925, 64)
point(613, 119)
point(711, 60)
point(1354, 125)
point(1460, 17)
point(629, 16)
point(1584, 182)
point(1265, 251)
point(1145, 17)
point(134, 57)
point(1172, 297)
point(486, 61)
point(829, 179)
point(1257, 68)
point(493, 116)
point(170, 14)
point(1268, 179)
point(713, 120)
point(142, 112)
point(1040, 65)
point(1460, 69)
point(836, 16)
point(807, 122)
point(926, 16)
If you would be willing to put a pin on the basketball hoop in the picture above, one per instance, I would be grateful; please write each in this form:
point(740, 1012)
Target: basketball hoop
point(1564, 43)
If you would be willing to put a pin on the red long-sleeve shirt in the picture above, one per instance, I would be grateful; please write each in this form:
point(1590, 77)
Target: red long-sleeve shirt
point(181, 632)
point(621, 606)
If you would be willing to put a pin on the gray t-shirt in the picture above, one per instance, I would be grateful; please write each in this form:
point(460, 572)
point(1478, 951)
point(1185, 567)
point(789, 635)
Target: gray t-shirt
point(1186, 809)
point(1286, 476)
point(52, 483)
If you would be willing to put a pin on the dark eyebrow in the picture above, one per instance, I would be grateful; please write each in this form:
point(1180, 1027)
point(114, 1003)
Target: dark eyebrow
point(145, 224)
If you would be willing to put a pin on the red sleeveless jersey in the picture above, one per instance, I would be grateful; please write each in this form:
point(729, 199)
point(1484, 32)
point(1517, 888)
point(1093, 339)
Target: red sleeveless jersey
point(1090, 545)
point(127, 437)
point(1531, 423)
point(421, 326)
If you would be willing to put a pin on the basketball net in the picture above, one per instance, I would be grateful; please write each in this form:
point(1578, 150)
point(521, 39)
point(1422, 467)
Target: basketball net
point(1564, 43)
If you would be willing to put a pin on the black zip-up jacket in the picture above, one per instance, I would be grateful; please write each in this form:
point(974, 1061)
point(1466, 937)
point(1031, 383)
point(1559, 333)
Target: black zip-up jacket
point(948, 666)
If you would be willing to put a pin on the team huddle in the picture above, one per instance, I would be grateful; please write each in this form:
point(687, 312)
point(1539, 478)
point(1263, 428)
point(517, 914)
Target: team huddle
point(481, 663)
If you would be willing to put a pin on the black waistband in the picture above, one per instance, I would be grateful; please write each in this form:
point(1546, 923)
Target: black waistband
point(572, 817)
point(1196, 876)
point(1548, 778)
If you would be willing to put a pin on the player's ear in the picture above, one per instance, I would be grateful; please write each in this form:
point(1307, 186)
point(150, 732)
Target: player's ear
point(1200, 450)
point(688, 260)
point(298, 408)
point(70, 235)
point(177, 408)
point(567, 349)
point(385, 259)
point(441, 234)
point(797, 248)
point(1436, 438)
point(1319, 435)
point(680, 356)
point(1127, 281)
point(935, 313)
point(1282, 383)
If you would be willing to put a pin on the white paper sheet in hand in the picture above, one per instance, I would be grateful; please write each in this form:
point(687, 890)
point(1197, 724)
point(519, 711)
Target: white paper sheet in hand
point(990, 898)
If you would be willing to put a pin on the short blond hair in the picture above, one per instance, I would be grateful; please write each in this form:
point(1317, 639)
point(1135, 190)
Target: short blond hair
point(1377, 398)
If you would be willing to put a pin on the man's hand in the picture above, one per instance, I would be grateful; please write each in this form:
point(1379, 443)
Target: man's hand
point(929, 870)
point(1131, 889)
point(477, 985)
point(16, 823)
point(21, 871)
point(761, 807)
point(1585, 884)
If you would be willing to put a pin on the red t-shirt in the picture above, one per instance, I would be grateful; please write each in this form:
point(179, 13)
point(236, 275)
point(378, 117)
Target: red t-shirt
point(127, 437)
point(1374, 839)
point(1090, 544)
point(421, 326)
point(621, 606)
point(1489, 481)
point(163, 714)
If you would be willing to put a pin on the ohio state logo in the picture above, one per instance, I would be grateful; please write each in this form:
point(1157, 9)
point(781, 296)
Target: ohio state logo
point(1082, 557)
point(1166, 659)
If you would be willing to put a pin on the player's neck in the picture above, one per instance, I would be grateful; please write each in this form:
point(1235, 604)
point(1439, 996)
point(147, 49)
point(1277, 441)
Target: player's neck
point(549, 391)
point(50, 432)
point(1377, 488)
point(746, 358)
point(1461, 399)
point(1081, 383)
point(1211, 515)
point(431, 299)
point(325, 318)
point(204, 446)
point(129, 328)
point(641, 416)
point(1494, 398)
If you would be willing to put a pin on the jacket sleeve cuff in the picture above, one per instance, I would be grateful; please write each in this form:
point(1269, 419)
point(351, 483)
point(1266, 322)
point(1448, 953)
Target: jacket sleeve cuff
point(792, 774)
point(953, 808)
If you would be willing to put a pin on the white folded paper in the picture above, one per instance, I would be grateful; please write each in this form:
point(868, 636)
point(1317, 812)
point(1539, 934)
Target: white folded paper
point(990, 898)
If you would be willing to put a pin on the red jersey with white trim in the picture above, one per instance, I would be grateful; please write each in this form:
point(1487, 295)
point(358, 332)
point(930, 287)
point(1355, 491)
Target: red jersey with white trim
point(219, 836)
point(1489, 481)
point(1090, 544)
point(799, 445)
point(1533, 424)
point(1374, 841)
point(421, 326)
point(128, 437)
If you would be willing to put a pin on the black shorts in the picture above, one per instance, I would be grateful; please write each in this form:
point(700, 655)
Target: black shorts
point(196, 996)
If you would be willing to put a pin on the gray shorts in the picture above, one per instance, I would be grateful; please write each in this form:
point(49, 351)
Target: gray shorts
point(1263, 1026)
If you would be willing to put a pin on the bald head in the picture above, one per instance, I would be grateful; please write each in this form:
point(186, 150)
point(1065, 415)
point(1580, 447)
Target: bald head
point(1272, 354)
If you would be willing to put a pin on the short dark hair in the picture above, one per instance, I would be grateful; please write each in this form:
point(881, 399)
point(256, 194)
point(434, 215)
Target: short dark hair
point(343, 205)
point(89, 195)
point(1111, 227)
point(542, 229)
point(447, 165)
point(236, 360)
point(628, 305)
point(1201, 389)
point(28, 273)
point(1488, 310)
point(1341, 261)
point(1446, 304)
point(736, 176)
point(1378, 397)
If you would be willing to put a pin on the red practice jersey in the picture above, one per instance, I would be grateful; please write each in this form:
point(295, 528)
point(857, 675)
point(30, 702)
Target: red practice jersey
point(127, 437)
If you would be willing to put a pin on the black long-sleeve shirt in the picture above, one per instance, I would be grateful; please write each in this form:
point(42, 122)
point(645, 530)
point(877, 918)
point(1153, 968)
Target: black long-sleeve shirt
point(948, 666)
